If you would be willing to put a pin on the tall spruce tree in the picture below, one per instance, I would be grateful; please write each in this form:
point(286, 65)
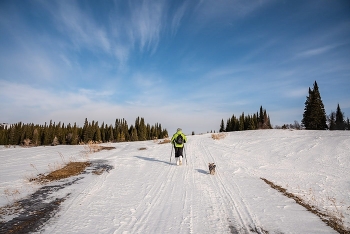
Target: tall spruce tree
point(339, 119)
point(222, 126)
point(141, 131)
point(314, 117)
point(133, 133)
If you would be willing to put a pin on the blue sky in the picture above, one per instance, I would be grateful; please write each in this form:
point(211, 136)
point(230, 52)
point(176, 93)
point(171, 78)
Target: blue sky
point(185, 64)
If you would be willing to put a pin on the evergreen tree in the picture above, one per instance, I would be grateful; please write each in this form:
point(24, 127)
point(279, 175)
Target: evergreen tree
point(160, 130)
point(222, 126)
point(228, 125)
point(339, 119)
point(137, 124)
point(261, 117)
point(85, 131)
point(121, 136)
point(307, 110)
point(97, 136)
point(12, 140)
point(103, 132)
point(141, 131)
point(148, 130)
point(110, 132)
point(314, 117)
point(251, 125)
point(133, 133)
point(75, 135)
point(331, 121)
point(255, 121)
point(241, 123)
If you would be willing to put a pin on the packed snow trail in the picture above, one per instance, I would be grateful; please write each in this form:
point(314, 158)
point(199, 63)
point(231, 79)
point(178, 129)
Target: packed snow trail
point(145, 193)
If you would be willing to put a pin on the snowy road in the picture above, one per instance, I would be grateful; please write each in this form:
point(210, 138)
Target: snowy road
point(145, 193)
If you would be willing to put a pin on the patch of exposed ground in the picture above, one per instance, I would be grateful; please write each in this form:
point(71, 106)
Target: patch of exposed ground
point(333, 222)
point(100, 166)
point(31, 213)
point(71, 169)
point(107, 147)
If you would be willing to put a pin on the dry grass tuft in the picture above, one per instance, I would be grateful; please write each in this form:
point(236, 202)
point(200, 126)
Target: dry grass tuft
point(218, 136)
point(71, 169)
point(93, 147)
point(11, 193)
point(164, 141)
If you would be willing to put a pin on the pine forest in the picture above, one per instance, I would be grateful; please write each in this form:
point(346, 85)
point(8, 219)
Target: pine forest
point(260, 120)
point(55, 134)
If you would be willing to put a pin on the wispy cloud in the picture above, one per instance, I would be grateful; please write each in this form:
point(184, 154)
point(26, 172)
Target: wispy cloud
point(147, 20)
point(178, 15)
point(80, 27)
point(227, 9)
point(316, 51)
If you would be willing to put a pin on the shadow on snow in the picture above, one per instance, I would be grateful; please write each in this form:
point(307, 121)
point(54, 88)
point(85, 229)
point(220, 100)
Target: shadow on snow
point(152, 160)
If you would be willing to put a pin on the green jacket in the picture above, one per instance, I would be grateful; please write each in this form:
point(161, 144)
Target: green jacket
point(173, 139)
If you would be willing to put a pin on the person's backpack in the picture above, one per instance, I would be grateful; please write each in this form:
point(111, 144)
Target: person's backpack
point(179, 139)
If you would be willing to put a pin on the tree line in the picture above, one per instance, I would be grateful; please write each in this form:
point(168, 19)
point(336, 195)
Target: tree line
point(260, 120)
point(54, 134)
point(315, 118)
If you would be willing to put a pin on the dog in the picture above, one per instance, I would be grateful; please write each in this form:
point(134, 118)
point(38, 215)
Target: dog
point(212, 168)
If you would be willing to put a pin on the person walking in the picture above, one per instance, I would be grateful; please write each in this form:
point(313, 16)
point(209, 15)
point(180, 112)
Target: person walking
point(178, 141)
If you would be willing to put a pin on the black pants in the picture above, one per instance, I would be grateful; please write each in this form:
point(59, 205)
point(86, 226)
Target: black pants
point(178, 151)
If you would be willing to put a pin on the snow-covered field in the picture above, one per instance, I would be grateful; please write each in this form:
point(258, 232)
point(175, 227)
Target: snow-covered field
point(145, 193)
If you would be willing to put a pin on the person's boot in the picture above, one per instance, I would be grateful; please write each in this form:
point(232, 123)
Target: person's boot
point(177, 161)
point(180, 160)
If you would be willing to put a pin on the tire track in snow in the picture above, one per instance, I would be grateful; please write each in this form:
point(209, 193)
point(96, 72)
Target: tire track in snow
point(167, 207)
point(150, 202)
point(242, 222)
point(142, 211)
point(162, 203)
point(216, 217)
